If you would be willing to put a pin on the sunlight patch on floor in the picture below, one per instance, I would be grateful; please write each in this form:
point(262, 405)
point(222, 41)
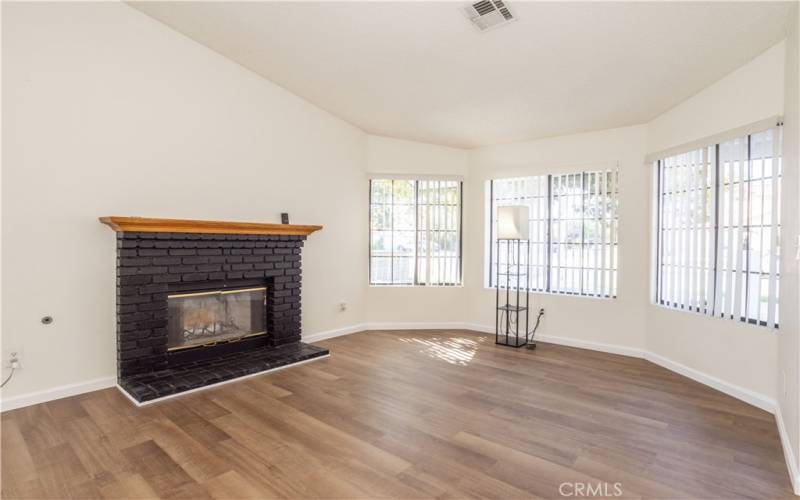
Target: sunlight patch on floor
point(456, 351)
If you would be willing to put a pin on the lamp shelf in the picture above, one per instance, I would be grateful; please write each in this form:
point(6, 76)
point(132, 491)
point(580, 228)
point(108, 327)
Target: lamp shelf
point(511, 341)
point(510, 329)
point(512, 308)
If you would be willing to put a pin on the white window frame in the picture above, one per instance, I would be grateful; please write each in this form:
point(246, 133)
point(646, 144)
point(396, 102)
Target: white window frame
point(441, 222)
point(543, 227)
point(724, 236)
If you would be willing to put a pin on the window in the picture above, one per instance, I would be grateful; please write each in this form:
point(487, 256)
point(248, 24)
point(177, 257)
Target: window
point(718, 229)
point(415, 232)
point(573, 233)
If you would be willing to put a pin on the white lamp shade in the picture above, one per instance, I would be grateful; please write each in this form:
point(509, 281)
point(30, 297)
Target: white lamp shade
point(512, 222)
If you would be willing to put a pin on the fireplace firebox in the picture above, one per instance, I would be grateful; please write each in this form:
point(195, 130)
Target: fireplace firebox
point(208, 318)
point(201, 302)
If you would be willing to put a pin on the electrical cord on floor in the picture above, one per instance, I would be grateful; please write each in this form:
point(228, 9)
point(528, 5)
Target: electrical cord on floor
point(528, 335)
point(9, 378)
point(530, 344)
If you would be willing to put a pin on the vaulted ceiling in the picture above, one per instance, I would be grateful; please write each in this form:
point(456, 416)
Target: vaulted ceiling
point(420, 71)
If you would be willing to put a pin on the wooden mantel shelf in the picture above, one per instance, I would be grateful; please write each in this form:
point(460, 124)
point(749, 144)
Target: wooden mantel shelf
point(147, 225)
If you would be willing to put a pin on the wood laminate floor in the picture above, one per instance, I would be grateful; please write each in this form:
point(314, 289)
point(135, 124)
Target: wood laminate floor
point(407, 414)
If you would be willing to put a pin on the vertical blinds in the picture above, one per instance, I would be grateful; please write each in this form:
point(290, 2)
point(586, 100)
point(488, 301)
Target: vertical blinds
point(438, 232)
point(573, 231)
point(719, 227)
point(533, 192)
point(415, 232)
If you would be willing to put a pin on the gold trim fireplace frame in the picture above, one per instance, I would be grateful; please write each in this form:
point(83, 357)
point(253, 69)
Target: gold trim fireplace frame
point(209, 318)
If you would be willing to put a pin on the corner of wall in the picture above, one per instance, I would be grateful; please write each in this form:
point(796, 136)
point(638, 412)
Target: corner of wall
point(788, 346)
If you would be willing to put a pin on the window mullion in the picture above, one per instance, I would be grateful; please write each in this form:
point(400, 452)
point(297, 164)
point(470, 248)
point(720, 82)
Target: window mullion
point(416, 232)
point(773, 263)
point(717, 240)
point(549, 224)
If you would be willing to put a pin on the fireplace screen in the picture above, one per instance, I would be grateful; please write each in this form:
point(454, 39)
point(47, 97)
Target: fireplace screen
point(207, 318)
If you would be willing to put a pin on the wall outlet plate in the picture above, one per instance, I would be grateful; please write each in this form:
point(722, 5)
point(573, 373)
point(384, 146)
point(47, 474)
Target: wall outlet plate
point(7, 356)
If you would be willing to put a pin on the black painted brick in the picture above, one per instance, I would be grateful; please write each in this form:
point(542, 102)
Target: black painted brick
point(195, 277)
point(151, 270)
point(167, 278)
point(150, 264)
point(207, 268)
point(166, 261)
point(152, 252)
point(181, 269)
point(134, 280)
point(132, 299)
point(183, 251)
point(155, 288)
point(195, 260)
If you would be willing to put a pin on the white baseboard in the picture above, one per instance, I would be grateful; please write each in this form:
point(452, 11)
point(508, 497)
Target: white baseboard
point(329, 334)
point(750, 397)
point(442, 325)
point(347, 330)
point(479, 328)
point(788, 453)
point(591, 345)
point(63, 391)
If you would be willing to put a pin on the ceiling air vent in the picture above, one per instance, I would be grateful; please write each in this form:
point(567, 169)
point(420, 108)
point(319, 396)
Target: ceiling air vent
point(488, 14)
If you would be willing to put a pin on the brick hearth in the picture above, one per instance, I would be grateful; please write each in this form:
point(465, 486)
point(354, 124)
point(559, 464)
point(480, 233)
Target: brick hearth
point(152, 265)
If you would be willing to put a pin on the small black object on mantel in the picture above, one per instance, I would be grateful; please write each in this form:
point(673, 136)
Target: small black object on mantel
point(284, 218)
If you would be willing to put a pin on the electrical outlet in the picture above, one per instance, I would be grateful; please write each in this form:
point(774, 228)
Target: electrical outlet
point(13, 360)
point(342, 306)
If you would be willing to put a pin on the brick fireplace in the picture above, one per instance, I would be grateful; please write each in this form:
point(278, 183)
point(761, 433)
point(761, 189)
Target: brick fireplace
point(161, 262)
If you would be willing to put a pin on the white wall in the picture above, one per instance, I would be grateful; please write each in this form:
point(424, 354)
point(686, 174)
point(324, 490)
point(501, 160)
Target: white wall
point(402, 304)
point(748, 94)
point(108, 112)
point(387, 155)
point(743, 355)
point(789, 336)
point(617, 321)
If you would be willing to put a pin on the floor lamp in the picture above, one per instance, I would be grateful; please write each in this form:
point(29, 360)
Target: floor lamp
point(513, 229)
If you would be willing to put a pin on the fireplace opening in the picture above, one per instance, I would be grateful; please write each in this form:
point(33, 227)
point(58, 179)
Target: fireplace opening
point(214, 317)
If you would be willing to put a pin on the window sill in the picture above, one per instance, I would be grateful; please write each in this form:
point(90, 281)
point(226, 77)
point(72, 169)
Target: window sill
point(556, 294)
point(716, 317)
point(415, 286)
